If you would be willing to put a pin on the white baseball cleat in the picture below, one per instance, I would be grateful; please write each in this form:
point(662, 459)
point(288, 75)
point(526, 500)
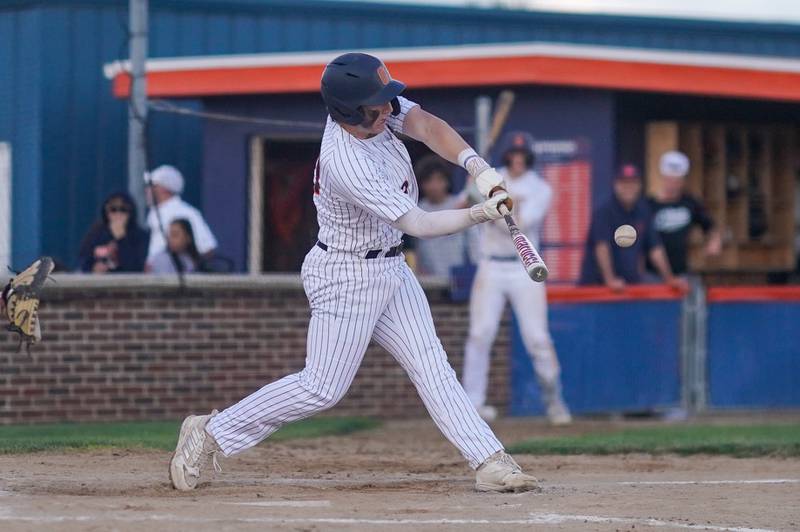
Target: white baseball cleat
point(195, 447)
point(558, 414)
point(501, 473)
point(488, 413)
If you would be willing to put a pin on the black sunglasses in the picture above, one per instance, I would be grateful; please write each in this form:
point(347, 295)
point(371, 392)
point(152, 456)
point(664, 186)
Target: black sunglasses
point(118, 209)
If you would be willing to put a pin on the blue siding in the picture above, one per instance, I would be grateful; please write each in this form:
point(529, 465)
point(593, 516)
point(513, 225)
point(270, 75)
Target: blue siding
point(20, 116)
point(69, 135)
point(84, 130)
point(750, 363)
point(615, 357)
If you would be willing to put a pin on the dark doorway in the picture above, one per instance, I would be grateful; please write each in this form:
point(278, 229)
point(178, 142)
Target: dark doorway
point(290, 219)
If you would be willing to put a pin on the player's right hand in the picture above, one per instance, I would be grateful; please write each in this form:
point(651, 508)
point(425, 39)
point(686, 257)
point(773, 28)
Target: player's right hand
point(490, 209)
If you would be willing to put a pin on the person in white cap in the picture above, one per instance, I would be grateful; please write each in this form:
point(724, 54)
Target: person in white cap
point(165, 185)
point(675, 212)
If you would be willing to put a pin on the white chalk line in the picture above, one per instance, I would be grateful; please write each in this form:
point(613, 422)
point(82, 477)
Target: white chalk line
point(557, 519)
point(282, 503)
point(427, 478)
point(355, 482)
point(534, 519)
point(709, 482)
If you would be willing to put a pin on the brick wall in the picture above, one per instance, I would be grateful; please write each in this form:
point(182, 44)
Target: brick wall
point(133, 347)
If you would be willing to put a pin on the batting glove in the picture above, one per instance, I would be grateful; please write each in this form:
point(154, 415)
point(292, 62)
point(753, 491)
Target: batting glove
point(488, 180)
point(490, 209)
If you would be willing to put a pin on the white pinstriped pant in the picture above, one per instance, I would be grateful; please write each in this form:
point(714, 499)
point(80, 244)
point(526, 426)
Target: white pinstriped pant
point(354, 300)
point(495, 283)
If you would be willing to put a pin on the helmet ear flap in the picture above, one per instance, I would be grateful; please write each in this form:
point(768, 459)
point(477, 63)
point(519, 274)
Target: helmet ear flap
point(340, 112)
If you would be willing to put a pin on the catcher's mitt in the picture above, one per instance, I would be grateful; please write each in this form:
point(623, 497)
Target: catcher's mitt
point(21, 300)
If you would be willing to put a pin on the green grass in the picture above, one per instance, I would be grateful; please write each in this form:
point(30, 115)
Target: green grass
point(153, 434)
point(740, 441)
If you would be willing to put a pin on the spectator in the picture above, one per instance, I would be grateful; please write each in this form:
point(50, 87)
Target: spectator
point(181, 250)
point(115, 243)
point(606, 263)
point(435, 256)
point(675, 212)
point(166, 185)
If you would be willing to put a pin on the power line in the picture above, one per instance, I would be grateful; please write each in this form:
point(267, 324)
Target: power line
point(169, 107)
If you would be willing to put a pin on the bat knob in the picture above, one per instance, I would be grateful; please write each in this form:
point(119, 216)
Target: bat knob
point(539, 274)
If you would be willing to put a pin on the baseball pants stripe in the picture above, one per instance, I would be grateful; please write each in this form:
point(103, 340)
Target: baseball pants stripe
point(351, 300)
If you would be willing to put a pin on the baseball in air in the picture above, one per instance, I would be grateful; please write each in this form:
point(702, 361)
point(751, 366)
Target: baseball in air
point(625, 236)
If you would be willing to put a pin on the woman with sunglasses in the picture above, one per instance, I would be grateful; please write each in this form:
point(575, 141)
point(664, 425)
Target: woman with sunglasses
point(115, 243)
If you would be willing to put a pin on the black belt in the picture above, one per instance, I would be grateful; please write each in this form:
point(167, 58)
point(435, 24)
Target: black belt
point(373, 253)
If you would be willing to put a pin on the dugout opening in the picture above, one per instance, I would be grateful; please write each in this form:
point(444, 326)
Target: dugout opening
point(282, 217)
point(282, 224)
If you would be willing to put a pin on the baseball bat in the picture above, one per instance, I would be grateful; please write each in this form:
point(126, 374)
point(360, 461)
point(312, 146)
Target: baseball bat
point(531, 260)
point(505, 101)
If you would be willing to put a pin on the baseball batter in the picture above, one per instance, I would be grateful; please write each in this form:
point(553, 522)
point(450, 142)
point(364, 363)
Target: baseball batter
point(501, 277)
point(358, 285)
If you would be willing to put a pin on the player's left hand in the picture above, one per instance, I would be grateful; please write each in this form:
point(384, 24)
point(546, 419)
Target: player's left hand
point(490, 209)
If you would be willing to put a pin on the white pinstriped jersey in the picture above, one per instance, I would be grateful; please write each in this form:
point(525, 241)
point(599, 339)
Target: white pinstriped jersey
point(362, 185)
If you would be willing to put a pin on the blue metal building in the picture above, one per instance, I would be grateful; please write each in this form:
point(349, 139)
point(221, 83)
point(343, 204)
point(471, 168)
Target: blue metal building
point(68, 134)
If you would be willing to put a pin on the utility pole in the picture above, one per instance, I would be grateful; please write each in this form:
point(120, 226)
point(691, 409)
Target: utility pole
point(137, 108)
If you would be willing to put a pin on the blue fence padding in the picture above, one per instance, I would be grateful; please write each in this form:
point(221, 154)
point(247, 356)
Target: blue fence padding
point(615, 357)
point(754, 354)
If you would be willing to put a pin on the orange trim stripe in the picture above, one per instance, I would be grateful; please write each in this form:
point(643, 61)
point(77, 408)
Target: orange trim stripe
point(731, 294)
point(601, 294)
point(595, 73)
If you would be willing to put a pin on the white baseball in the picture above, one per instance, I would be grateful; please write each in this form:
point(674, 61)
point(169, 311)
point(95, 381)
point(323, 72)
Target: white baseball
point(625, 236)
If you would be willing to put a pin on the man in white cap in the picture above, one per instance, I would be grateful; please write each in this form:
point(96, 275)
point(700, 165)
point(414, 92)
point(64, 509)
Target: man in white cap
point(675, 212)
point(166, 185)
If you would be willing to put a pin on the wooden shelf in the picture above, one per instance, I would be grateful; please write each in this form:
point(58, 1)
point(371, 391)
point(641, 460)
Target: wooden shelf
point(745, 176)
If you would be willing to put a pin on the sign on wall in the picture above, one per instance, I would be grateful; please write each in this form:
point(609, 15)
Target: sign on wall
point(567, 166)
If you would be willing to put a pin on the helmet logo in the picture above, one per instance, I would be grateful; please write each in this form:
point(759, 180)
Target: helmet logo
point(519, 140)
point(383, 74)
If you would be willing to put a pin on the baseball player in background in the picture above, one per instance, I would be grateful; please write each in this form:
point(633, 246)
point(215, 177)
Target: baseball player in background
point(358, 285)
point(501, 278)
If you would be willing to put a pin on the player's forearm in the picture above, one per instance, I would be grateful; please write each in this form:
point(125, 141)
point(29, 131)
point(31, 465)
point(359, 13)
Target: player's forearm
point(659, 259)
point(424, 224)
point(603, 255)
point(439, 136)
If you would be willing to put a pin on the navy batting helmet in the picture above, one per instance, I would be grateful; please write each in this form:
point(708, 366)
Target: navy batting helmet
point(517, 141)
point(353, 80)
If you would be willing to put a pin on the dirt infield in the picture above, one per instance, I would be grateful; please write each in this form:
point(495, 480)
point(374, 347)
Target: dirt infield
point(402, 476)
